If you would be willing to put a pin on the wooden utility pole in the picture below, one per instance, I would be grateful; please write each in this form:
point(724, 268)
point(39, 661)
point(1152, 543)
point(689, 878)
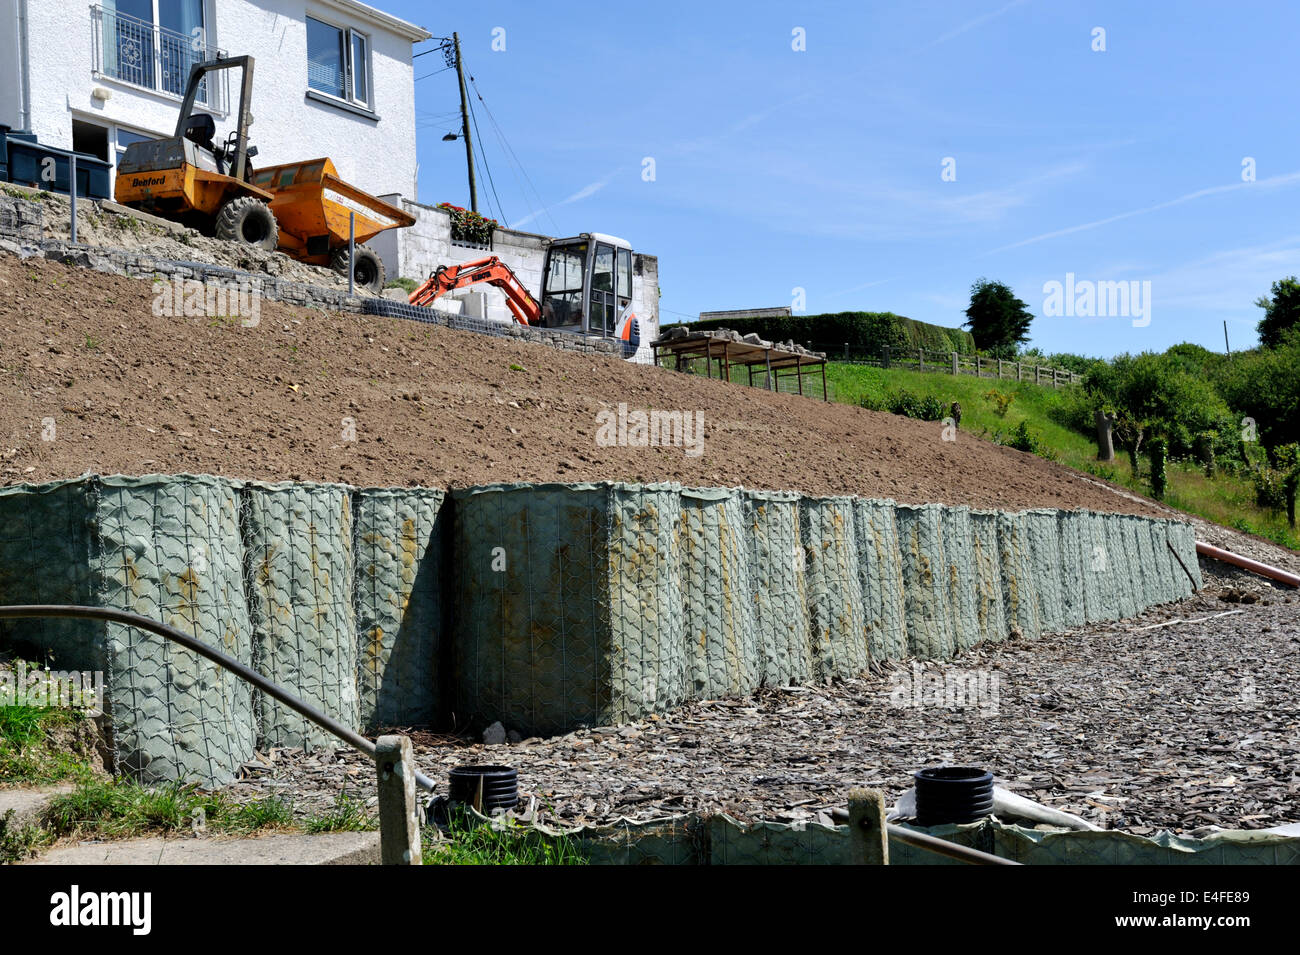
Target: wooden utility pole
point(1225, 338)
point(464, 124)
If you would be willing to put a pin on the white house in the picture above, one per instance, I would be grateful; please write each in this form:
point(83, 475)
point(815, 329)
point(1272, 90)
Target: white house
point(332, 78)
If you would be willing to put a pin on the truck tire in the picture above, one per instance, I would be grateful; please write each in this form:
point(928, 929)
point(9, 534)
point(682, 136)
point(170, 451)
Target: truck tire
point(250, 221)
point(367, 271)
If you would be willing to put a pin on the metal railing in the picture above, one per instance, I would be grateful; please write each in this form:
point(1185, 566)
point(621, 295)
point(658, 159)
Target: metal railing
point(244, 672)
point(143, 54)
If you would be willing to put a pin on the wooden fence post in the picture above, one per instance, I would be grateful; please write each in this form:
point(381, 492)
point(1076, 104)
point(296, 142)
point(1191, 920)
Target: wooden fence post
point(868, 837)
point(920, 359)
point(399, 824)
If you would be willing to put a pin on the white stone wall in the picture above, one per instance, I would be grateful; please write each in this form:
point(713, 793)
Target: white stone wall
point(375, 155)
point(415, 252)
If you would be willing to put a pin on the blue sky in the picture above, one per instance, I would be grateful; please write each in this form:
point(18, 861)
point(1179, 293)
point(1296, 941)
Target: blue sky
point(820, 169)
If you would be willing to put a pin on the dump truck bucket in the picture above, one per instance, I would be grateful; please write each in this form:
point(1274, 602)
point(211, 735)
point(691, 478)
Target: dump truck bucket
point(312, 204)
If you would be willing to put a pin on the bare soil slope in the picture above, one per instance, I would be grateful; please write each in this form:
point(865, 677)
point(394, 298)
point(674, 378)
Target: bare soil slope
point(131, 392)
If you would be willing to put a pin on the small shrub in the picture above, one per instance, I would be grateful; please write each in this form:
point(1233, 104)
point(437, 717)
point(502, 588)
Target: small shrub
point(1001, 401)
point(909, 405)
point(1022, 439)
point(1269, 493)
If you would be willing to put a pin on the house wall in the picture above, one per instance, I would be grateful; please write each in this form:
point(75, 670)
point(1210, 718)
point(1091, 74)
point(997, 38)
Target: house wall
point(376, 155)
point(11, 75)
point(416, 251)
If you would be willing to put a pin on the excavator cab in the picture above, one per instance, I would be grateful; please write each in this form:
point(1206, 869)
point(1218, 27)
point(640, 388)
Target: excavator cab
point(587, 286)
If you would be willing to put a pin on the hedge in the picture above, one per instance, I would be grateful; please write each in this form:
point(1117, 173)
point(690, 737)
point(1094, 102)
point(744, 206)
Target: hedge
point(863, 332)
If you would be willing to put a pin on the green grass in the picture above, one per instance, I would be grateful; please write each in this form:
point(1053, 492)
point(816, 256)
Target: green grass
point(405, 284)
point(28, 752)
point(1226, 499)
point(20, 842)
point(469, 841)
point(347, 815)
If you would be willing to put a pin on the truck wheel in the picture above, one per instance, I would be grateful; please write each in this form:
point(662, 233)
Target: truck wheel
point(250, 221)
point(367, 271)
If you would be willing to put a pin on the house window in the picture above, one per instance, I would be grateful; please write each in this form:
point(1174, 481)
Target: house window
point(125, 138)
point(338, 62)
point(152, 43)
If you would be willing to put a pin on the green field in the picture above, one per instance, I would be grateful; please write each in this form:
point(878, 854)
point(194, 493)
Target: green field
point(1225, 499)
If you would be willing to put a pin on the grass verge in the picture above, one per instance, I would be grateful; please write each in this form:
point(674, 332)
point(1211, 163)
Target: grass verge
point(1227, 498)
point(470, 841)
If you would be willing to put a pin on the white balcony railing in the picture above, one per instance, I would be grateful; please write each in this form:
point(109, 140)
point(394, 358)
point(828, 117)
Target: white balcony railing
point(142, 54)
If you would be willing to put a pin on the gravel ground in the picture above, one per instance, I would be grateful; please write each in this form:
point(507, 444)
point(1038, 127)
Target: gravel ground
point(1181, 719)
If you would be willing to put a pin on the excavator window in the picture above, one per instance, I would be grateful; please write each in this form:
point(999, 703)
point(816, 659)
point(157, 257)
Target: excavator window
point(601, 316)
point(562, 297)
point(624, 278)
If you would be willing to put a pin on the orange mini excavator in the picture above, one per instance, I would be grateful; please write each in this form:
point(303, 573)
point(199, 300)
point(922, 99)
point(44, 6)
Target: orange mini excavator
point(586, 287)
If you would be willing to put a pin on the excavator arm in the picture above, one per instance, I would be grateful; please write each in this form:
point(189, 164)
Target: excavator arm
point(448, 278)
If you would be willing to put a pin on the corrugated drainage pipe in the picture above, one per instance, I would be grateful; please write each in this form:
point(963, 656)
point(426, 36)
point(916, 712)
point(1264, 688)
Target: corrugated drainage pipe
point(1245, 563)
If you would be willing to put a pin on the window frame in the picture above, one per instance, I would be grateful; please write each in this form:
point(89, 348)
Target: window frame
point(351, 72)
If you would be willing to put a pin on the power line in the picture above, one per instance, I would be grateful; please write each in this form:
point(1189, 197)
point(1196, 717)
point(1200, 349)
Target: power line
point(434, 73)
point(510, 149)
point(441, 40)
point(487, 168)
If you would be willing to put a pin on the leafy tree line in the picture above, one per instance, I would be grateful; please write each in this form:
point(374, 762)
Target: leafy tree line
point(1239, 412)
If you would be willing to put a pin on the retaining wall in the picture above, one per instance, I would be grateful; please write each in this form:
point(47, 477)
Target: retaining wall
point(543, 606)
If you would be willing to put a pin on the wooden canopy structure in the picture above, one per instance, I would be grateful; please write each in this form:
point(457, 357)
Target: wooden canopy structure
point(771, 362)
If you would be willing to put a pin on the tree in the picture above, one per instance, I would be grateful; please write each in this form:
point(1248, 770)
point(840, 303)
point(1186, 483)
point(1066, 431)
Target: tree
point(1281, 311)
point(998, 321)
point(1264, 385)
point(1154, 395)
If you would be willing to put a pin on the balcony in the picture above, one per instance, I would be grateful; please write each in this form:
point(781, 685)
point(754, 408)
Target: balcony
point(141, 54)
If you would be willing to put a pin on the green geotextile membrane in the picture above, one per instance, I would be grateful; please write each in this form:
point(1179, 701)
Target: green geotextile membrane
point(1045, 567)
point(719, 613)
point(167, 548)
point(1073, 569)
point(835, 610)
point(990, 611)
point(958, 571)
point(721, 840)
point(546, 606)
point(880, 579)
point(298, 545)
point(530, 624)
point(46, 558)
point(569, 603)
point(1019, 590)
point(779, 592)
point(649, 659)
point(926, 584)
point(397, 543)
